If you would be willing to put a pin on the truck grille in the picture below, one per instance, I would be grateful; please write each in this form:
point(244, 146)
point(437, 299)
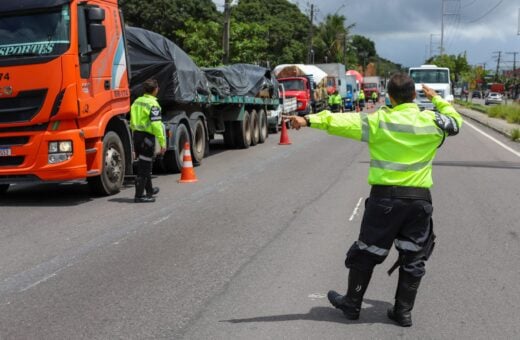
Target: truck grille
point(12, 160)
point(10, 141)
point(23, 107)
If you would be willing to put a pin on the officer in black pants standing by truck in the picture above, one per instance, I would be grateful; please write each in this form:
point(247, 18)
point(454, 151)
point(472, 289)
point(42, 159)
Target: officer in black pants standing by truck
point(146, 124)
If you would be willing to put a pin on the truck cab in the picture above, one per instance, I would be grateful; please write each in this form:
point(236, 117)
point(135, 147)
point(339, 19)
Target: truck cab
point(438, 78)
point(63, 93)
point(302, 89)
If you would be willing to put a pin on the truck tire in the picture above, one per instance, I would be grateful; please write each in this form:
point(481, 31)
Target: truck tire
point(199, 142)
point(4, 188)
point(242, 132)
point(110, 181)
point(262, 124)
point(229, 135)
point(172, 159)
point(255, 128)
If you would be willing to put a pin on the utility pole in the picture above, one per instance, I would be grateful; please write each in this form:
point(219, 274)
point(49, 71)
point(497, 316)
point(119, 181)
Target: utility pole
point(431, 43)
point(310, 51)
point(514, 62)
point(498, 64)
point(226, 33)
point(445, 13)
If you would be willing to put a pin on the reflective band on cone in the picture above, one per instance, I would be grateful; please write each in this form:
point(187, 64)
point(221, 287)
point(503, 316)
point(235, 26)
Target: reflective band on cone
point(187, 173)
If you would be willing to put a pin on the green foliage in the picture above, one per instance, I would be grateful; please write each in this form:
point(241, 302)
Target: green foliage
point(248, 43)
point(286, 28)
point(167, 17)
point(202, 41)
point(515, 134)
point(511, 113)
point(458, 65)
point(330, 42)
point(365, 49)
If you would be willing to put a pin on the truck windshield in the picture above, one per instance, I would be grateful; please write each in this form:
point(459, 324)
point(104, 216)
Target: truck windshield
point(293, 85)
point(370, 85)
point(430, 76)
point(41, 33)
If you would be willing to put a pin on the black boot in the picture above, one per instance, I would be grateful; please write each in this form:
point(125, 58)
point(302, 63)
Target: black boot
point(150, 189)
point(407, 287)
point(350, 303)
point(140, 183)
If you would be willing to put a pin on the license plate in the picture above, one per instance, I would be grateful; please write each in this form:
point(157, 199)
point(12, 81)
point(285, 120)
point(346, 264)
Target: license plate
point(4, 152)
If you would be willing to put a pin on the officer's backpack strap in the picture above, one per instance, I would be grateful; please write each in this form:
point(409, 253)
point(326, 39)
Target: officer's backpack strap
point(424, 254)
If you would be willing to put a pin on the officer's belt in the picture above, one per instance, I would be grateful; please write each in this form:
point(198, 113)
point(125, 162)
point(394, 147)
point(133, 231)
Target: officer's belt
point(386, 191)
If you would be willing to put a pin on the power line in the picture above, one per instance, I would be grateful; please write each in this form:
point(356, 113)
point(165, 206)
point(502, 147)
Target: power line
point(485, 14)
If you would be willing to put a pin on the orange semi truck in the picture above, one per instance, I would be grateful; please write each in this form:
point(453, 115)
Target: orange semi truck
point(65, 96)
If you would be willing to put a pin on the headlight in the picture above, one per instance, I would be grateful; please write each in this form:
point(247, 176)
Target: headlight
point(53, 147)
point(59, 151)
point(65, 146)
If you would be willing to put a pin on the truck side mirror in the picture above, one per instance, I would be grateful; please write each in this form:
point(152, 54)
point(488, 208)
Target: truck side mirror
point(96, 30)
point(339, 82)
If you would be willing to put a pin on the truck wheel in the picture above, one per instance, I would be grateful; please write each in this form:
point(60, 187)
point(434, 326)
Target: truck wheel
point(4, 188)
point(229, 134)
point(255, 128)
point(173, 158)
point(262, 123)
point(113, 167)
point(242, 132)
point(199, 142)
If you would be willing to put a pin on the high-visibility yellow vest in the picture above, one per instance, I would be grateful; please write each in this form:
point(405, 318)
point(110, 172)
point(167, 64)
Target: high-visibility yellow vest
point(361, 95)
point(145, 115)
point(402, 141)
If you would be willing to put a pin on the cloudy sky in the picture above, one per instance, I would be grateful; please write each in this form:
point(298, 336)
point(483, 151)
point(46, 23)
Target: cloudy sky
point(402, 29)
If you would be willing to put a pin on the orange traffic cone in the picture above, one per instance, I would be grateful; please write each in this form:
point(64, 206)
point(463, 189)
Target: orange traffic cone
point(187, 172)
point(357, 107)
point(284, 136)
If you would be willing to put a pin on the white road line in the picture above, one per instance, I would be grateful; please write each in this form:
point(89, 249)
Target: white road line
point(493, 139)
point(161, 219)
point(354, 213)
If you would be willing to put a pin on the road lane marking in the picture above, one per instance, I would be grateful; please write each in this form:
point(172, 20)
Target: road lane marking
point(354, 213)
point(317, 296)
point(493, 139)
point(162, 219)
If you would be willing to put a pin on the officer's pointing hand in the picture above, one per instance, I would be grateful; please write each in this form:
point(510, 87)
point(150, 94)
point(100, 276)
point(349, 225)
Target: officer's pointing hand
point(296, 121)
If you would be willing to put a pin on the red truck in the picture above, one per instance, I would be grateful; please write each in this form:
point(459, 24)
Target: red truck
point(307, 83)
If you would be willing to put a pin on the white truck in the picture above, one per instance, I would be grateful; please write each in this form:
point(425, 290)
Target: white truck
point(288, 106)
point(438, 78)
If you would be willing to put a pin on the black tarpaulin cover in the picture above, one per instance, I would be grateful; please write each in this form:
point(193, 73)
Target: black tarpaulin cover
point(241, 79)
point(153, 56)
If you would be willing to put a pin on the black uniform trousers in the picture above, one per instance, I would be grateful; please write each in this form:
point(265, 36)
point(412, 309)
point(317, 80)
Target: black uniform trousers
point(144, 146)
point(397, 215)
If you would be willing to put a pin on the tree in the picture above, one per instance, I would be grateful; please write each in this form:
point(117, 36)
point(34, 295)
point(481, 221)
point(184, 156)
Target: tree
point(287, 28)
point(202, 41)
point(332, 38)
point(365, 50)
point(458, 65)
point(248, 43)
point(167, 17)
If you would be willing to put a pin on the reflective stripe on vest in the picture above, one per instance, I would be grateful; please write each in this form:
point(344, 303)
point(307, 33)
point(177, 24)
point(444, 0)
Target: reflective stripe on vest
point(365, 128)
point(417, 130)
point(375, 163)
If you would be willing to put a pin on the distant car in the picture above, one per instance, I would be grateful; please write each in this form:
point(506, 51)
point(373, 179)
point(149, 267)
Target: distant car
point(476, 94)
point(493, 98)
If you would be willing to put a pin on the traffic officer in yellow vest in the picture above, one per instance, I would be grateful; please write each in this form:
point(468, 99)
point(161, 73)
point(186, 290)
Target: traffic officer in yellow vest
point(361, 98)
point(335, 102)
point(402, 142)
point(146, 124)
point(374, 97)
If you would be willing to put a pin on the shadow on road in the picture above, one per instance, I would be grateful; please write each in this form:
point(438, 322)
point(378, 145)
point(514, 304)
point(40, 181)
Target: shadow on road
point(375, 312)
point(46, 195)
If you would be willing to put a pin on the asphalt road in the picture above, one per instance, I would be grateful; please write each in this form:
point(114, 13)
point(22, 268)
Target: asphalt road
point(251, 249)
